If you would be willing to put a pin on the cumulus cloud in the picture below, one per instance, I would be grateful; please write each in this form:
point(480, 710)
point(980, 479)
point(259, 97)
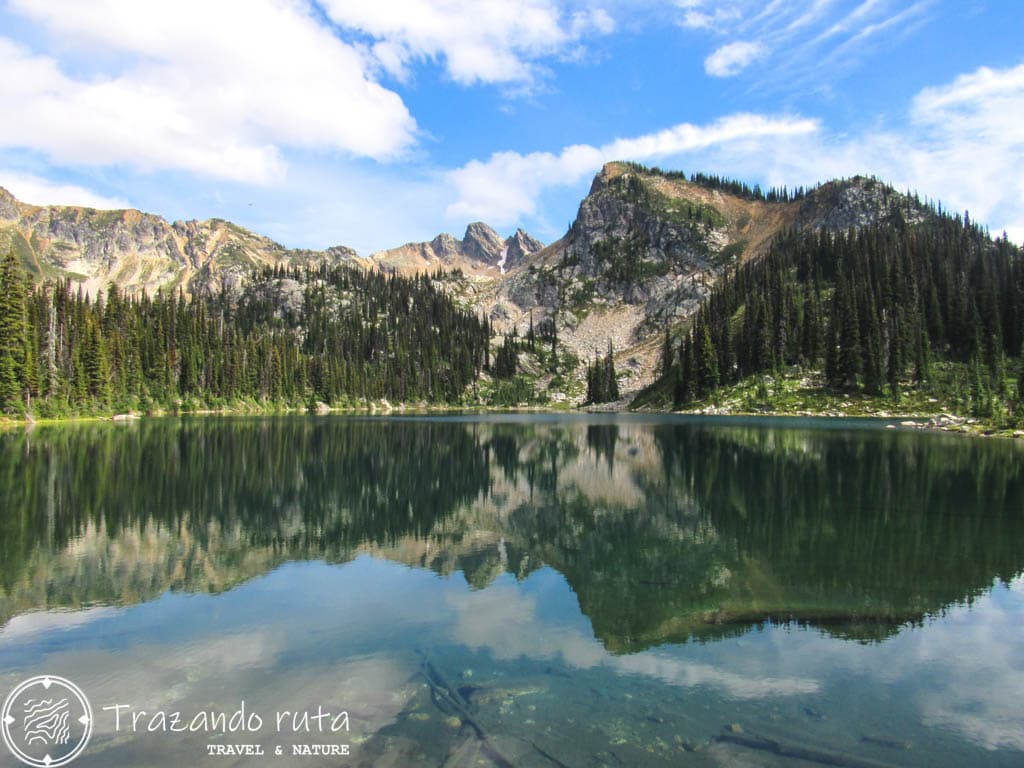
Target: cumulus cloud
point(507, 185)
point(29, 188)
point(479, 41)
point(217, 89)
point(733, 58)
point(960, 143)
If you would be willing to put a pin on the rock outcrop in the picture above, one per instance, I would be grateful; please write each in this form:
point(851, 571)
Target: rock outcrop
point(482, 243)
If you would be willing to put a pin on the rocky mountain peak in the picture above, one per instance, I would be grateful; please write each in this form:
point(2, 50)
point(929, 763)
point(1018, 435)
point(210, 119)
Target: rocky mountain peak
point(608, 172)
point(518, 247)
point(445, 247)
point(8, 205)
point(858, 202)
point(483, 243)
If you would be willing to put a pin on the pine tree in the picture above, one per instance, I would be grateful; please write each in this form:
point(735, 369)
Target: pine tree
point(13, 335)
point(1020, 380)
point(707, 364)
point(602, 383)
point(667, 354)
point(849, 360)
point(611, 381)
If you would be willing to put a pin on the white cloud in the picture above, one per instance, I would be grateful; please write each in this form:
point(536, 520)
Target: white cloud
point(487, 41)
point(699, 15)
point(507, 185)
point(961, 143)
point(505, 621)
point(213, 88)
point(821, 38)
point(733, 58)
point(38, 622)
point(33, 189)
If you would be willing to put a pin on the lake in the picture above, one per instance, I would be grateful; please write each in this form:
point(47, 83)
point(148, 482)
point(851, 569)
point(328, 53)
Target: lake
point(534, 590)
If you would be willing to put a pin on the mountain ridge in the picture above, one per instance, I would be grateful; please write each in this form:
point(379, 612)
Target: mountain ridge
point(481, 252)
point(141, 251)
point(643, 252)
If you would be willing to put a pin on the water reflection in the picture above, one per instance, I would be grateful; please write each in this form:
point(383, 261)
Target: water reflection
point(589, 591)
point(665, 531)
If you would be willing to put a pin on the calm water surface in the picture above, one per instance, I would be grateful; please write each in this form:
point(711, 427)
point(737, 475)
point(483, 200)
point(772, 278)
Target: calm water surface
point(528, 591)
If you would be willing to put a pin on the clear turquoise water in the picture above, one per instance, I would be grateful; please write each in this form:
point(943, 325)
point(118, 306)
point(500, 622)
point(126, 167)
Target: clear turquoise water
point(537, 590)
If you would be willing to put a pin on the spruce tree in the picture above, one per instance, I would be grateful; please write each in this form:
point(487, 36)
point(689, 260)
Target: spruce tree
point(13, 334)
point(611, 381)
point(707, 364)
point(665, 364)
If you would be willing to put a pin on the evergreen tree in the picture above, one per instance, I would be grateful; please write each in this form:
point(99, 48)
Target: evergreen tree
point(602, 383)
point(667, 354)
point(13, 335)
point(707, 364)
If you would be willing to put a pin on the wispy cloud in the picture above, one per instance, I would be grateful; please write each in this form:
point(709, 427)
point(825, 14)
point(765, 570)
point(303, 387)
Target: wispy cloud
point(795, 36)
point(733, 58)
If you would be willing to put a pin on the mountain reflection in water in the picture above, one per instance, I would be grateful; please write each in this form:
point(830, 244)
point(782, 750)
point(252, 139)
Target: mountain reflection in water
point(599, 590)
point(666, 530)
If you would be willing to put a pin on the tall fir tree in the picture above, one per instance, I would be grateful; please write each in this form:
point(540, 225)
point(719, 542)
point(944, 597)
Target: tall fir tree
point(13, 335)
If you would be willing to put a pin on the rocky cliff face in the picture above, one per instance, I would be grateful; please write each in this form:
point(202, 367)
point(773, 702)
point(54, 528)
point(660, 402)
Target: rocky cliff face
point(140, 251)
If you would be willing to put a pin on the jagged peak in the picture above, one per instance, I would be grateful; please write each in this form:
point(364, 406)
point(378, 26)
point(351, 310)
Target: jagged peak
point(482, 242)
point(525, 238)
point(480, 230)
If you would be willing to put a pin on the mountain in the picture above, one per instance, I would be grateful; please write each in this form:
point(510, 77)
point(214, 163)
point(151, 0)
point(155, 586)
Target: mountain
point(647, 253)
point(138, 250)
point(481, 253)
point(647, 247)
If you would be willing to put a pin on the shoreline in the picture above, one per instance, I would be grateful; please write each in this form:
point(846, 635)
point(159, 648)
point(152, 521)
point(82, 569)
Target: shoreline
point(928, 422)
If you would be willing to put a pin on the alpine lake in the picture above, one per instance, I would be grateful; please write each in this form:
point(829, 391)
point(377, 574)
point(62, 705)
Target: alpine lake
point(519, 590)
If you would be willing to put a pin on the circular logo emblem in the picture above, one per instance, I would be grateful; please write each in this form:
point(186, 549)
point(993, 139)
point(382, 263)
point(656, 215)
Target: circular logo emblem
point(46, 721)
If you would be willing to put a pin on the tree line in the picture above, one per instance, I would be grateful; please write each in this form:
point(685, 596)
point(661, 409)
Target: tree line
point(336, 334)
point(730, 186)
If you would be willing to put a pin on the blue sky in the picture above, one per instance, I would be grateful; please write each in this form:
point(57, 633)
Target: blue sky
point(371, 123)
